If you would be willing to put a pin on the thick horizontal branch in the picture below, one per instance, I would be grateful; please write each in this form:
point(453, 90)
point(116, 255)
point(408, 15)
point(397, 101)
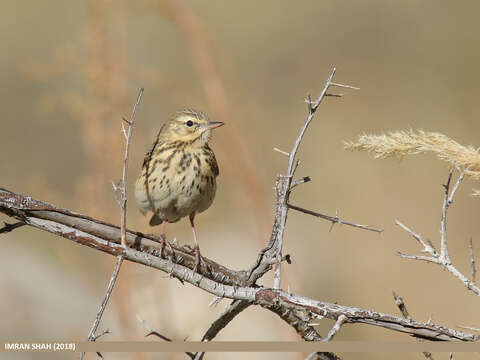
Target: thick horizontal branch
point(266, 297)
point(213, 278)
point(106, 237)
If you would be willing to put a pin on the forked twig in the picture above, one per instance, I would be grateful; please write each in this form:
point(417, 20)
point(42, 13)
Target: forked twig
point(123, 220)
point(123, 188)
point(292, 166)
point(336, 328)
point(103, 305)
point(442, 258)
point(403, 309)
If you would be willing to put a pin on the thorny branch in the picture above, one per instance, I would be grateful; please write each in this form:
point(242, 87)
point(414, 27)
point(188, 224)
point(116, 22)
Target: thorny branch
point(214, 278)
point(433, 256)
point(403, 309)
point(284, 182)
point(160, 336)
point(123, 188)
point(272, 253)
point(334, 219)
point(235, 308)
point(122, 201)
point(211, 277)
point(472, 263)
point(103, 305)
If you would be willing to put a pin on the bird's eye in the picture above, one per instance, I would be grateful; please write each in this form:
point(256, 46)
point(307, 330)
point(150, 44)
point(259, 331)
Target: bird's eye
point(189, 123)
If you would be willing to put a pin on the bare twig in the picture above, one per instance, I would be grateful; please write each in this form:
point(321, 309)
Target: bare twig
point(103, 305)
point(447, 201)
point(472, 263)
point(403, 309)
point(98, 336)
point(212, 277)
point(10, 227)
point(282, 210)
point(235, 308)
point(443, 223)
point(442, 259)
point(336, 328)
point(151, 332)
point(123, 219)
point(334, 219)
point(401, 305)
point(123, 206)
point(427, 246)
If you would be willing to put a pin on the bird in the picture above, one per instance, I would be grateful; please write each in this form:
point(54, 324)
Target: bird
point(178, 176)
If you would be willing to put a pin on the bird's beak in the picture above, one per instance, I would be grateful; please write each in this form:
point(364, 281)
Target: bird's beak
point(214, 124)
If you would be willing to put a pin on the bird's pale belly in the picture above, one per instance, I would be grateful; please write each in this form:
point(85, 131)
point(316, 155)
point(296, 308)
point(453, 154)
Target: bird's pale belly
point(186, 191)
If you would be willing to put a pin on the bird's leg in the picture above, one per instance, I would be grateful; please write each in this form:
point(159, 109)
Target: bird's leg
point(163, 237)
point(198, 257)
point(164, 226)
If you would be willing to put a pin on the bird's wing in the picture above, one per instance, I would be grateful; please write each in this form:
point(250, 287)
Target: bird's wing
point(212, 161)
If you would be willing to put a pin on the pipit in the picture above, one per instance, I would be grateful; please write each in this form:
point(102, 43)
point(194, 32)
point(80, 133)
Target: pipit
point(179, 173)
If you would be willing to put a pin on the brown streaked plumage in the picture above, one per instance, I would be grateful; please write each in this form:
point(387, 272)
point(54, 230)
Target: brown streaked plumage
point(178, 177)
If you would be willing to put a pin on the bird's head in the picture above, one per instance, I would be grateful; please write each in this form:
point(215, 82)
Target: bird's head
point(189, 125)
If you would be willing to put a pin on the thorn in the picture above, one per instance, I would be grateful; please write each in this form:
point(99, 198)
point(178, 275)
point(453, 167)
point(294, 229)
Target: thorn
point(124, 132)
point(281, 151)
point(337, 220)
point(331, 227)
point(300, 181)
point(308, 100)
point(157, 334)
point(344, 86)
point(215, 301)
point(104, 332)
point(117, 191)
point(334, 95)
point(127, 121)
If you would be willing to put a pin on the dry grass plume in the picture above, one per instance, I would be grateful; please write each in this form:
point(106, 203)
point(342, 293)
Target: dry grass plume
point(401, 143)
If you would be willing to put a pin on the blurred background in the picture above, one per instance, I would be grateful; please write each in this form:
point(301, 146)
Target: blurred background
point(71, 70)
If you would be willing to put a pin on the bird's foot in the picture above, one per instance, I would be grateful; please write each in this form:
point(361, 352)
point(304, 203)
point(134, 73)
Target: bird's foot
point(198, 259)
point(187, 248)
point(155, 237)
point(163, 242)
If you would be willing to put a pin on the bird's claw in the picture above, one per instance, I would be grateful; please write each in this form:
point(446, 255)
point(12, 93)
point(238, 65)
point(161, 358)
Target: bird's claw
point(198, 259)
